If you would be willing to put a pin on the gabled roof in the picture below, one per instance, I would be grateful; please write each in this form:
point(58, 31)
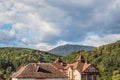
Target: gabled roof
point(85, 66)
point(41, 70)
point(80, 65)
point(92, 68)
point(59, 64)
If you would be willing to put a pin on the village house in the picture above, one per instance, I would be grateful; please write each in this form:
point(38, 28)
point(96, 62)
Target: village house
point(58, 70)
point(81, 70)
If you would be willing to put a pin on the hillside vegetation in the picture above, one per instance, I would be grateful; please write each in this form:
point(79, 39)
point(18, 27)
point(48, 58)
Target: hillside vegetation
point(68, 48)
point(12, 58)
point(106, 57)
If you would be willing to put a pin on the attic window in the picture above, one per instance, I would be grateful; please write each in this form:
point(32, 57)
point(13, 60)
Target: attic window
point(41, 70)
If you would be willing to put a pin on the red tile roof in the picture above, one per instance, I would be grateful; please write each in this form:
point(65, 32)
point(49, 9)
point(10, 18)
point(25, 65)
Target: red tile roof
point(80, 65)
point(41, 70)
point(59, 64)
point(51, 70)
point(85, 66)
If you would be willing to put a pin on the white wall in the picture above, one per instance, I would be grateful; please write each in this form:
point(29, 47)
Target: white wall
point(76, 75)
point(57, 79)
point(70, 73)
point(22, 79)
point(45, 79)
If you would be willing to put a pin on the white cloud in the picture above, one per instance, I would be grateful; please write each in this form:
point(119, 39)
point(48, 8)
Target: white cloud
point(61, 42)
point(24, 40)
point(93, 40)
point(36, 22)
point(72, 3)
point(105, 14)
point(44, 46)
point(96, 40)
point(28, 24)
point(19, 26)
point(83, 2)
point(7, 36)
point(36, 27)
point(47, 46)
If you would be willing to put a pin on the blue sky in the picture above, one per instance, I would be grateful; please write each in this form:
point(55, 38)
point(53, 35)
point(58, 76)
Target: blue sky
point(45, 24)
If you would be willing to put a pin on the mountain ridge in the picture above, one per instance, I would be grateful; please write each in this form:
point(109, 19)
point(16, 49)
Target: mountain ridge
point(68, 48)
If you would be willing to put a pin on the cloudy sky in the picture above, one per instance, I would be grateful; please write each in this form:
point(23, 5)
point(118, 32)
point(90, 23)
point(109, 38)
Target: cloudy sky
point(44, 24)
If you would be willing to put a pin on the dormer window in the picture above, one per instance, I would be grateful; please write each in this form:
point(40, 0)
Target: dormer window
point(41, 70)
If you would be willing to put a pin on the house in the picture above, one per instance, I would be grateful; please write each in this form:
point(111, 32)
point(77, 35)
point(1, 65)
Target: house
point(58, 70)
point(79, 70)
point(39, 71)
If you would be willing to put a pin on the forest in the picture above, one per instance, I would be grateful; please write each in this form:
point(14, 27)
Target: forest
point(11, 59)
point(106, 57)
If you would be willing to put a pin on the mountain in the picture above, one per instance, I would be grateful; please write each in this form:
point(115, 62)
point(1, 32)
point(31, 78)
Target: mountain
point(106, 57)
point(12, 58)
point(68, 48)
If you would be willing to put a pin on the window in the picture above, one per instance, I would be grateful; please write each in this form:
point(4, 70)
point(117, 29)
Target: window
point(42, 70)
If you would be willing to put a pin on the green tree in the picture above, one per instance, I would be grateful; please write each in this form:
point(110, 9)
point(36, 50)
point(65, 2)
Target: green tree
point(116, 75)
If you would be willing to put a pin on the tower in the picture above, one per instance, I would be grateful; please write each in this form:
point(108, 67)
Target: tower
point(81, 59)
point(58, 60)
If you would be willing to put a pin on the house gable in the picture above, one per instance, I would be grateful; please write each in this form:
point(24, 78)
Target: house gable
point(91, 69)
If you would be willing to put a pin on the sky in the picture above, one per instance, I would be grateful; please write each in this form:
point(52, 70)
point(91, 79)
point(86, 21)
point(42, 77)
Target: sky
point(45, 24)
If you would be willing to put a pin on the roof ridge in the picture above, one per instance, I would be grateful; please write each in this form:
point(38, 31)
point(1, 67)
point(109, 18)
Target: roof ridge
point(85, 66)
point(54, 66)
point(20, 71)
point(23, 69)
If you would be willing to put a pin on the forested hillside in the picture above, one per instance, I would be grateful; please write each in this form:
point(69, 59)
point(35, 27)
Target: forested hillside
point(107, 59)
point(12, 58)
